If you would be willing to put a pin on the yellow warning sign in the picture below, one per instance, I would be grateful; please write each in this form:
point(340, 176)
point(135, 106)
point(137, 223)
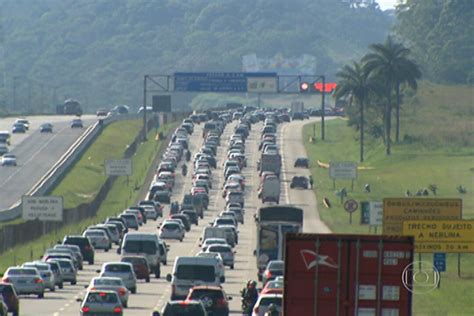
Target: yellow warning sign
point(441, 236)
point(398, 210)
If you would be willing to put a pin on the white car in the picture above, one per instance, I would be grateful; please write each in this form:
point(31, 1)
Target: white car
point(25, 280)
point(226, 253)
point(98, 238)
point(45, 272)
point(220, 266)
point(213, 241)
point(150, 212)
point(171, 230)
point(8, 160)
point(264, 301)
point(110, 284)
point(68, 270)
point(122, 270)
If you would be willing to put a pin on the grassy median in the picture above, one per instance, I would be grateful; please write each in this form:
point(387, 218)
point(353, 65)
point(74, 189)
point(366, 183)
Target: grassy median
point(123, 193)
point(441, 154)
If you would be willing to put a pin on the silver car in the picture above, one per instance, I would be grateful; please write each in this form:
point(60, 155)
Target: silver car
point(171, 230)
point(98, 238)
point(46, 273)
point(25, 280)
point(68, 270)
point(123, 270)
point(58, 274)
point(76, 251)
point(101, 302)
point(226, 253)
point(110, 284)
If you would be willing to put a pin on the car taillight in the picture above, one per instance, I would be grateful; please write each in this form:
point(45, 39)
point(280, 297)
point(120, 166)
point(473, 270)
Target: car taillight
point(86, 309)
point(221, 302)
point(117, 310)
point(268, 274)
point(255, 310)
point(38, 280)
point(122, 291)
point(6, 280)
point(93, 289)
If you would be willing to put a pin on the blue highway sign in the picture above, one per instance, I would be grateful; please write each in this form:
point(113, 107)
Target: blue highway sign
point(439, 261)
point(215, 81)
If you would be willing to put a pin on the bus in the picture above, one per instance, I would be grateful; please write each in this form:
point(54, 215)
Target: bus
point(273, 222)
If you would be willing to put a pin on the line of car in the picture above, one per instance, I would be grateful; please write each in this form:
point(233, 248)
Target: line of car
point(21, 126)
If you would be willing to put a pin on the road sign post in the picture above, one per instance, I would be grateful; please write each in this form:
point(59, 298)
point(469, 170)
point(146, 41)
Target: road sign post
point(439, 262)
point(42, 208)
point(350, 206)
point(398, 210)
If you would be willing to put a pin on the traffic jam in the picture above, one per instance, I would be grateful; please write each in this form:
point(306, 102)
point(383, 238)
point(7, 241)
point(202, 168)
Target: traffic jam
point(196, 282)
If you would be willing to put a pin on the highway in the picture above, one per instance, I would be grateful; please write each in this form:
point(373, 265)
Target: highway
point(36, 153)
point(156, 293)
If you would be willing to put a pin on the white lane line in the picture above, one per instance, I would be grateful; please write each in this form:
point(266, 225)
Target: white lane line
point(31, 158)
point(283, 167)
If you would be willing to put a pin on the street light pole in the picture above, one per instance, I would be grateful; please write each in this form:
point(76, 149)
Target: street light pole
point(144, 108)
point(323, 107)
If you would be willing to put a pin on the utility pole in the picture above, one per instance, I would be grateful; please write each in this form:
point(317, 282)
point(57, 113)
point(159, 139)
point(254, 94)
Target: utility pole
point(323, 107)
point(29, 95)
point(14, 93)
point(144, 108)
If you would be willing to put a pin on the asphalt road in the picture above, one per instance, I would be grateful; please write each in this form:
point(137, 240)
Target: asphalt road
point(156, 293)
point(36, 153)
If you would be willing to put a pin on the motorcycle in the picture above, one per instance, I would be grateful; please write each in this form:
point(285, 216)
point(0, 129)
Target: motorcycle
point(184, 170)
point(247, 306)
point(188, 155)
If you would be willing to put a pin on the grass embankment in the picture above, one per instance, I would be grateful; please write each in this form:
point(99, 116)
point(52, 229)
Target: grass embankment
point(438, 150)
point(121, 195)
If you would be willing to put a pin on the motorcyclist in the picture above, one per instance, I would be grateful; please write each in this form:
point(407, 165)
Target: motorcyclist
point(184, 170)
point(249, 296)
point(188, 155)
point(272, 310)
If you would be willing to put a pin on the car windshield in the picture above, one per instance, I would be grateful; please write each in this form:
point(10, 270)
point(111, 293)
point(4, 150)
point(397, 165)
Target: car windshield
point(22, 272)
point(102, 297)
point(104, 281)
point(219, 249)
point(65, 264)
point(196, 272)
point(171, 226)
point(275, 285)
point(146, 246)
point(276, 265)
point(200, 293)
point(134, 260)
point(117, 268)
point(270, 300)
point(95, 233)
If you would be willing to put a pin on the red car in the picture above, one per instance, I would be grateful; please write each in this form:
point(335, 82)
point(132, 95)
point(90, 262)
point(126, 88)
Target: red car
point(140, 266)
point(213, 298)
point(273, 287)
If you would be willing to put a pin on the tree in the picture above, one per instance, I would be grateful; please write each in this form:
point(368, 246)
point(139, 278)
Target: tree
point(354, 83)
point(389, 63)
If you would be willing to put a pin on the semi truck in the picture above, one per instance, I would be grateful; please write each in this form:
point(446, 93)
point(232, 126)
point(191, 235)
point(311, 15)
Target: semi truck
point(331, 274)
point(270, 162)
point(273, 223)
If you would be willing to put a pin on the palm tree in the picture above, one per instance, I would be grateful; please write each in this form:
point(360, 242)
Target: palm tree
point(389, 63)
point(354, 83)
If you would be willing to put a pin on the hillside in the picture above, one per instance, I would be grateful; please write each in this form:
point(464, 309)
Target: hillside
point(98, 51)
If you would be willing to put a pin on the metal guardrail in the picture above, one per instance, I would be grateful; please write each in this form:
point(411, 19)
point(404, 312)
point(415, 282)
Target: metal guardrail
point(50, 178)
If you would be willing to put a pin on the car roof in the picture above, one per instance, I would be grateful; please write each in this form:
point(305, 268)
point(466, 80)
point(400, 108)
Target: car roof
point(207, 287)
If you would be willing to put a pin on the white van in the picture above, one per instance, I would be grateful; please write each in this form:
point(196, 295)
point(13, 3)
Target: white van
point(270, 190)
point(212, 232)
point(143, 244)
point(192, 271)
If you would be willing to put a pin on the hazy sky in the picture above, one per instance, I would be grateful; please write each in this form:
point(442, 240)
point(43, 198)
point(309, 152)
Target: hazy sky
point(387, 4)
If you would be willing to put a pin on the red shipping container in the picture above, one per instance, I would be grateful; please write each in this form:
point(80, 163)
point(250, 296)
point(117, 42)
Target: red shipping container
point(342, 275)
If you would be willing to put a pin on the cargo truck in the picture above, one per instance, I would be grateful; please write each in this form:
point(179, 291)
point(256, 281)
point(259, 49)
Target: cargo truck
point(329, 274)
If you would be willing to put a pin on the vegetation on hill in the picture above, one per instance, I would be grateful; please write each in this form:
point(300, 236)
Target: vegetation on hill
point(98, 51)
point(440, 34)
